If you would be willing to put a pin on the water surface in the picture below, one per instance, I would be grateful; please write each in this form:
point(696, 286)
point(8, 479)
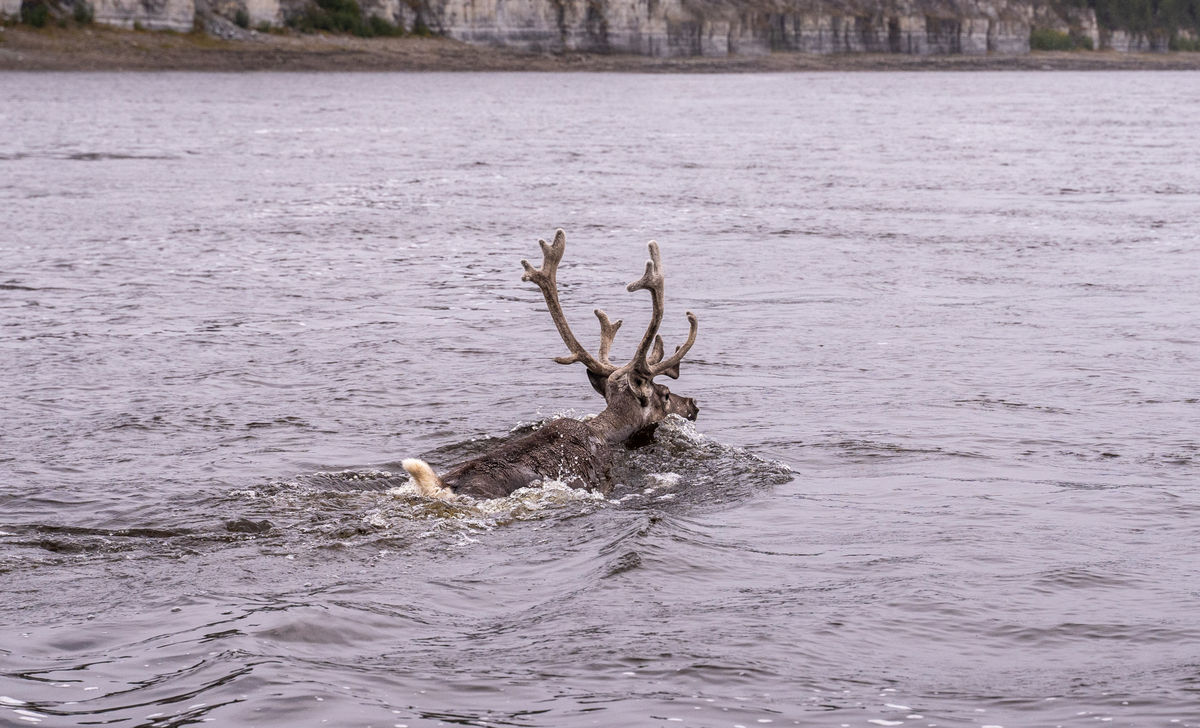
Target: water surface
point(945, 471)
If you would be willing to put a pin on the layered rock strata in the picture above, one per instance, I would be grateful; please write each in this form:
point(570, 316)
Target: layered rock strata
point(670, 28)
point(150, 14)
point(715, 28)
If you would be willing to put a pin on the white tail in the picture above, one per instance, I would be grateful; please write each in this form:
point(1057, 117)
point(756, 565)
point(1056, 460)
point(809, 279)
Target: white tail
point(428, 483)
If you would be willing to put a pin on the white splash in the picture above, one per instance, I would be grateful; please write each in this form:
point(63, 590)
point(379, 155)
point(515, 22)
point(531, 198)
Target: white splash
point(665, 480)
point(536, 497)
point(529, 503)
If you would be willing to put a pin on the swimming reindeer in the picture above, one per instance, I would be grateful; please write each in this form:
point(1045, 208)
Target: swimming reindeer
point(576, 452)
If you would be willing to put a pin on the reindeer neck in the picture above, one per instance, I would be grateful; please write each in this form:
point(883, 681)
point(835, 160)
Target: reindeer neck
point(611, 427)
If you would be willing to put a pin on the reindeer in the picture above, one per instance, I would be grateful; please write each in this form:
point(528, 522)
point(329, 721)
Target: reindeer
point(579, 452)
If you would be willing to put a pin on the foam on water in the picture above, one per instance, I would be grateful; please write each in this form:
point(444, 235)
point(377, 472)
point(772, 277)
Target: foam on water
point(680, 463)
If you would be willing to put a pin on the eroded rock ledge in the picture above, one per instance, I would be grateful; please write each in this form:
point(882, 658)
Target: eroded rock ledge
point(666, 28)
point(670, 28)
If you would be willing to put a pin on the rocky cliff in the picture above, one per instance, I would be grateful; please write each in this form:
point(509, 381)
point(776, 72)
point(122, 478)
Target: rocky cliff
point(149, 14)
point(670, 28)
point(152, 14)
point(665, 28)
point(718, 28)
point(739, 27)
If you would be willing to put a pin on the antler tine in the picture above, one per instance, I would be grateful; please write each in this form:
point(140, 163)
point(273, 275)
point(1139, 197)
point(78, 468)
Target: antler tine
point(546, 278)
point(652, 280)
point(670, 367)
point(656, 354)
point(608, 329)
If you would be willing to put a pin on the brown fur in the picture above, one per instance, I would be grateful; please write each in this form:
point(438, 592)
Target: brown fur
point(565, 450)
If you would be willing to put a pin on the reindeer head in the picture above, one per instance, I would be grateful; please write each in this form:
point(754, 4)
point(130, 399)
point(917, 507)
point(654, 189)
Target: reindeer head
point(636, 403)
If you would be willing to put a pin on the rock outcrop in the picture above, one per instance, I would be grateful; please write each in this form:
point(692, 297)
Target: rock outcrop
point(671, 28)
point(727, 27)
point(150, 14)
point(1126, 42)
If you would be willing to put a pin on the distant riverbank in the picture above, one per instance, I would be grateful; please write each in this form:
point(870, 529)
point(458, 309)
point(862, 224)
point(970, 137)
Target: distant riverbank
point(100, 48)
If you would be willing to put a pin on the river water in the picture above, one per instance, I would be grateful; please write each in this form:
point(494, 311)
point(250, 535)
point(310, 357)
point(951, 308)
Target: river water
point(945, 471)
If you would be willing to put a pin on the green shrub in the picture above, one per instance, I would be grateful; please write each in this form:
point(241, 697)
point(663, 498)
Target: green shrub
point(83, 12)
point(241, 18)
point(342, 16)
point(382, 28)
point(263, 27)
point(35, 13)
point(1184, 44)
point(1048, 39)
point(338, 16)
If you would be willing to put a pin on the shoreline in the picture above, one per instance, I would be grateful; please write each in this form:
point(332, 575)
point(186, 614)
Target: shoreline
point(101, 48)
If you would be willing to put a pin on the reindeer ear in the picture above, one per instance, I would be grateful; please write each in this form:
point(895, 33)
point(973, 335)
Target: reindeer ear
point(642, 386)
point(598, 382)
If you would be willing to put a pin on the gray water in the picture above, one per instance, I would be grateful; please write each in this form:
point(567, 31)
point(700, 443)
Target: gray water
point(945, 471)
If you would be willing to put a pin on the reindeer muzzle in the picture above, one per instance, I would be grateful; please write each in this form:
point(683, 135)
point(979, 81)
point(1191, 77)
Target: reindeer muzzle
point(692, 410)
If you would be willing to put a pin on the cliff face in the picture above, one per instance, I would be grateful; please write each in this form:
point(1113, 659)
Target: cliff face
point(666, 28)
point(153, 14)
point(718, 28)
point(150, 14)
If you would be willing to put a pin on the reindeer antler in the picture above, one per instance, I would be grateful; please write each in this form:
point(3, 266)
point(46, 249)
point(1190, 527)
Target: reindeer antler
point(670, 367)
point(546, 279)
point(648, 359)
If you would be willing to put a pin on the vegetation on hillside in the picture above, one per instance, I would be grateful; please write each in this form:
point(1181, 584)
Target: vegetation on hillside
point(1162, 17)
point(1048, 39)
point(342, 16)
point(40, 13)
point(1173, 24)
